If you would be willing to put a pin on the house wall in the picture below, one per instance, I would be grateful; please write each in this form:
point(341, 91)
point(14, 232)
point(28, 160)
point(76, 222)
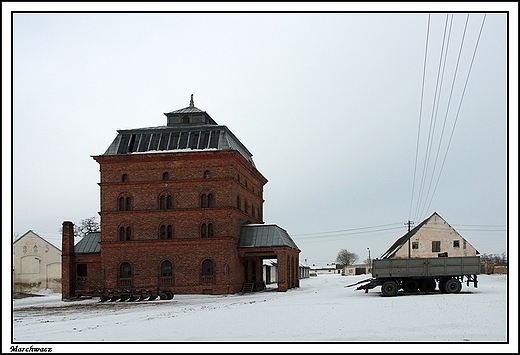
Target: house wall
point(36, 264)
point(355, 269)
point(436, 229)
point(237, 188)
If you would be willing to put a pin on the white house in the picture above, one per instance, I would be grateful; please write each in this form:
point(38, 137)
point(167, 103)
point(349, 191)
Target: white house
point(36, 264)
point(433, 237)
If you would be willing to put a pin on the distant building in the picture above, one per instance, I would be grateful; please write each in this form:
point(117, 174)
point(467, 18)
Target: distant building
point(433, 237)
point(182, 211)
point(36, 264)
point(325, 269)
point(358, 269)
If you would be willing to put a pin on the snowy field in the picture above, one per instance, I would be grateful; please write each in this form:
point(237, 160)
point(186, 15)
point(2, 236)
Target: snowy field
point(322, 315)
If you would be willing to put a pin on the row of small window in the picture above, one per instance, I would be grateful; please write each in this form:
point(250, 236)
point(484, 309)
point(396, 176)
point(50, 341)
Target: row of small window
point(166, 202)
point(166, 232)
point(436, 245)
point(165, 176)
point(125, 269)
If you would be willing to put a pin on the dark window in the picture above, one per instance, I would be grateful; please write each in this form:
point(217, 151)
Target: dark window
point(162, 202)
point(163, 144)
point(131, 145)
point(210, 201)
point(194, 140)
point(165, 176)
point(204, 201)
point(145, 141)
point(214, 139)
point(185, 119)
point(169, 202)
point(126, 271)
point(436, 246)
point(154, 142)
point(174, 138)
point(207, 174)
point(128, 204)
point(123, 144)
point(166, 269)
point(128, 233)
point(163, 232)
point(124, 178)
point(207, 267)
point(183, 140)
point(238, 202)
point(170, 232)
point(456, 243)
point(204, 140)
point(121, 203)
point(415, 245)
point(203, 231)
point(82, 270)
point(122, 233)
point(210, 230)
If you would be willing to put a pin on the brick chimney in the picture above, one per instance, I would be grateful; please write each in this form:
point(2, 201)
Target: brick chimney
point(68, 272)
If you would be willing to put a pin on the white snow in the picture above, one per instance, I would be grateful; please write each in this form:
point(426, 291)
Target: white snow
point(321, 315)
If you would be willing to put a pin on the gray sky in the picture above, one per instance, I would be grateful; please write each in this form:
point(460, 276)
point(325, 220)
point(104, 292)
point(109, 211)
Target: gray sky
point(329, 105)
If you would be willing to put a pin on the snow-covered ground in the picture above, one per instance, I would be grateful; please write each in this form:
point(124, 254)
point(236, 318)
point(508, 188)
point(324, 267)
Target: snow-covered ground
point(322, 315)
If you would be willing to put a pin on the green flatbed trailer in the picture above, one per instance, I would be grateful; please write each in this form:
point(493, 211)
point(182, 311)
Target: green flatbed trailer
point(422, 274)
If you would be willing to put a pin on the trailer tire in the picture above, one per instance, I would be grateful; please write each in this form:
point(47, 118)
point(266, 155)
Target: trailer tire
point(452, 286)
point(410, 285)
point(389, 288)
point(427, 285)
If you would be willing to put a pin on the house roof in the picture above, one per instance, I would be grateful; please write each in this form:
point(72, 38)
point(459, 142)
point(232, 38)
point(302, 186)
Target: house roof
point(178, 137)
point(50, 239)
point(264, 235)
point(89, 244)
point(404, 239)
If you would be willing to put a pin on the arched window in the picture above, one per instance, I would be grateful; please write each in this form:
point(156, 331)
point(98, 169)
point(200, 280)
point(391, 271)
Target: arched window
point(204, 201)
point(210, 201)
point(125, 271)
point(125, 203)
point(166, 231)
point(207, 268)
point(166, 269)
point(207, 174)
point(206, 230)
point(128, 233)
point(166, 176)
point(165, 202)
point(122, 233)
point(124, 178)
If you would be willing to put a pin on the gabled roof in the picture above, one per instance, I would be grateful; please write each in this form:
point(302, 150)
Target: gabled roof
point(53, 243)
point(89, 244)
point(404, 239)
point(264, 235)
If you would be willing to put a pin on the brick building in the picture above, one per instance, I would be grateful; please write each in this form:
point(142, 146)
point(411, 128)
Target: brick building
point(181, 209)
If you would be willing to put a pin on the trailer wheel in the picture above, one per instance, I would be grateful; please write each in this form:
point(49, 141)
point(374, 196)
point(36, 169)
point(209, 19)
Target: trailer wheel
point(389, 288)
point(410, 285)
point(452, 286)
point(427, 285)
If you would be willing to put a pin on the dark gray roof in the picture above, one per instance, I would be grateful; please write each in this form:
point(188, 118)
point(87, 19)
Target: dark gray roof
point(264, 235)
point(189, 109)
point(89, 244)
point(178, 138)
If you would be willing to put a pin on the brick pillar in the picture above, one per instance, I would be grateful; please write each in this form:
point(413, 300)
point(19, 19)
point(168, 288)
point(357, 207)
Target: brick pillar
point(282, 271)
point(68, 274)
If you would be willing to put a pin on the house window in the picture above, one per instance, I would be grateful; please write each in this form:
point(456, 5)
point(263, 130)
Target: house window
point(166, 269)
point(125, 203)
point(166, 202)
point(185, 119)
point(456, 243)
point(207, 267)
point(207, 174)
point(125, 233)
point(436, 246)
point(207, 201)
point(206, 230)
point(166, 232)
point(415, 245)
point(81, 270)
point(165, 176)
point(125, 271)
point(124, 178)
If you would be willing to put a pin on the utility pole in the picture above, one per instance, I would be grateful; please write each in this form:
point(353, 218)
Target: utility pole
point(409, 245)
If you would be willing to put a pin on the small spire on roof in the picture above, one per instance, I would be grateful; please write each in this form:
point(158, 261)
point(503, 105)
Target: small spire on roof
point(191, 101)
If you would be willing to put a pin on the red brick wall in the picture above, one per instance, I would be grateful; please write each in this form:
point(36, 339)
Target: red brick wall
point(231, 176)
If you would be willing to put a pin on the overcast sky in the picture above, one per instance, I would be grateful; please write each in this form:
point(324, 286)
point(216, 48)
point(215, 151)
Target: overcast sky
point(334, 108)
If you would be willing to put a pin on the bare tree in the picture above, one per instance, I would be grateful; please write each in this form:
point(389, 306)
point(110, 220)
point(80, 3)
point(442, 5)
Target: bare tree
point(86, 226)
point(346, 257)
